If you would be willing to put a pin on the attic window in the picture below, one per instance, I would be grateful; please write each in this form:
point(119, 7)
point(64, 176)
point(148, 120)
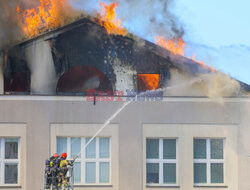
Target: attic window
point(82, 78)
point(17, 83)
point(16, 76)
point(148, 82)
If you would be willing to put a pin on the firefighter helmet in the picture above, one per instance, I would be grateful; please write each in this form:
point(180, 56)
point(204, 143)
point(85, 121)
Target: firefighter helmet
point(64, 155)
point(55, 155)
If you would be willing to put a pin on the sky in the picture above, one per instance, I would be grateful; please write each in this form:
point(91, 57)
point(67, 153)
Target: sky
point(217, 31)
point(215, 22)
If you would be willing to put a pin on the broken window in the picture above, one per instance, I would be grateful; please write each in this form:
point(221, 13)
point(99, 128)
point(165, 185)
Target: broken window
point(82, 78)
point(148, 82)
point(16, 77)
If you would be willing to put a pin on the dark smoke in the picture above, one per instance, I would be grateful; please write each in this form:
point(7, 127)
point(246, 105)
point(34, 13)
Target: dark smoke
point(10, 31)
point(154, 17)
point(8, 26)
point(145, 18)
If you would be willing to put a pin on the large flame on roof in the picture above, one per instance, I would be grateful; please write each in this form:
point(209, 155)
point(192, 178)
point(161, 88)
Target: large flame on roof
point(48, 15)
point(177, 46)
point(108, 19)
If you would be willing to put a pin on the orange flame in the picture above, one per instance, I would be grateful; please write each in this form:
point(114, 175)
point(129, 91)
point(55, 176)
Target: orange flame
point(171, 45)
point(177, 47)
point(37, 20)
point(108, 19)
point(148, 81)
point(202, 63)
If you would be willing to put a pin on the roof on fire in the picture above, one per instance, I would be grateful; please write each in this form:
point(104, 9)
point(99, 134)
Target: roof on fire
point(143, 55)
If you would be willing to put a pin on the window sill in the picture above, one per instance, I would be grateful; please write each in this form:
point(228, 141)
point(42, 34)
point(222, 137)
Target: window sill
point(94, 185)
point(162, 186)
point(210, 186)
point(10, 186)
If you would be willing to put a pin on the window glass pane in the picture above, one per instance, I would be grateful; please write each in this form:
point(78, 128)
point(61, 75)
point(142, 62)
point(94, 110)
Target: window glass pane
point(200, 148)
point(217, 148)
point(75, 147)
point(217, 173)
point(169, 148)
point(152, 173)
point(104, 172)
point(61, 145)
point(10, 174)
point(90, 149)
point(200, 173)
point(77, 172)
point(169, 173)
point(90, 172)
point(104, 147)
point(11, 148)
point(152, 148)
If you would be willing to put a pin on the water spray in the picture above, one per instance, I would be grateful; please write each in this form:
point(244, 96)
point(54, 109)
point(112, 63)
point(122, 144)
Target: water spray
point(107, 122)
point(124, 105)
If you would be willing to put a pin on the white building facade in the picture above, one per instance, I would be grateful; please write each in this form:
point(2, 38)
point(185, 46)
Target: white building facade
point(176, 143)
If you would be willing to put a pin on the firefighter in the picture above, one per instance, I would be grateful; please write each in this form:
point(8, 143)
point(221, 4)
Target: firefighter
point(63, 168)
point(51, 170)
point(47, 174)
point(54, 169)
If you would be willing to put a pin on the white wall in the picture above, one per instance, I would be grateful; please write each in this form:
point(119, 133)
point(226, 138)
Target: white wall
point(185, 117)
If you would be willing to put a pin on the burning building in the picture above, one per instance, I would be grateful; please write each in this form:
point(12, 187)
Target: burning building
point(185, 126)
point(82, 56)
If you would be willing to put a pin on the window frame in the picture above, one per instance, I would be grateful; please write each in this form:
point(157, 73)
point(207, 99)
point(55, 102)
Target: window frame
point(208, 161)
point(83, 160)
point(161, 161)
point(4, 161)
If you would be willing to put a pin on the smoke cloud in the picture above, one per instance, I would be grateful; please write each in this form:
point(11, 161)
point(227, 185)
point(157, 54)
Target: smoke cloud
point(212, 85)
point(149, 18)
point(145, 18)
point(9, 29)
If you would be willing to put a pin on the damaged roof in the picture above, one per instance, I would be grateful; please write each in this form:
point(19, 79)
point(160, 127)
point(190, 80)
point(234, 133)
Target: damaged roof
point(85, 42)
